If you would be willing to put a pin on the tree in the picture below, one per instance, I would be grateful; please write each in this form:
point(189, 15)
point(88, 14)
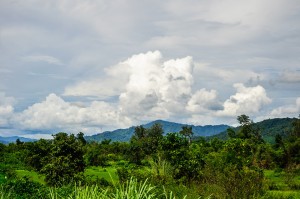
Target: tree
point(296, 128)
point(140, 132)
point(187, 159)
point(292, 150)
point(173, 146)
point(136, 150)
point(246, 126)
point(238, 152)
point(247, 130)
point(187, 132)
point(231, 133)
point(145, 142)
point(278, 141)
point(38, 154)
point(80, 137)
point(66, 162)
point(19, 142)
point(154, 138)
point(244, 120)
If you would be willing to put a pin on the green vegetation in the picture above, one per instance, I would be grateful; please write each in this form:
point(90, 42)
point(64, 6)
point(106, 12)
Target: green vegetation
point(108, 173)
point(155, 165)
point(31, 175)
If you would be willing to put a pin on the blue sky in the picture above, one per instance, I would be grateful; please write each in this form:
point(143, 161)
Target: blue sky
point(93, 65)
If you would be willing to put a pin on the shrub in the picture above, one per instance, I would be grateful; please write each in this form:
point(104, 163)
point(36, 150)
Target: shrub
point(25, 189)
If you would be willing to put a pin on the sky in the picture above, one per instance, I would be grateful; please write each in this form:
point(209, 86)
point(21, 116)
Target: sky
point(93, 65)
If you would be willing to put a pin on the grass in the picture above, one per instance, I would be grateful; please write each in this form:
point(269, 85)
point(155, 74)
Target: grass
point(134, 190)
point(279, 180)
point(276, 180)
point(32, 175)
point(89, 192)
point(108, 173)
point(131, 189)
point(282, 195)
point(278, 185)
point(4, 195)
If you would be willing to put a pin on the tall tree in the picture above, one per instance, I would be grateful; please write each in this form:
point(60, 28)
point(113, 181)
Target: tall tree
point(66, 162)
point(246, 126)
point(39, 154)
point(80, 137)
point(296, 128)
point(140, 132)
point(187, 132)
point(155, 136)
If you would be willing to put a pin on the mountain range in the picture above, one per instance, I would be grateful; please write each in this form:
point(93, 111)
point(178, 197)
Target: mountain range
point(168, 127)
point(268, 129)
point(7, 140)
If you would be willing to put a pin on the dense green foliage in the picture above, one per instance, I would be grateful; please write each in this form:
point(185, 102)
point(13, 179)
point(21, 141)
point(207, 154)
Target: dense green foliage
point(152, 165)
point(65, 161)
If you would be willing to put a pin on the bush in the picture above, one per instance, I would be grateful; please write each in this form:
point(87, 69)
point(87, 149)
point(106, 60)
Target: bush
point(235, 183)
point(125, 173)
point(100, 182)
point(25, 189)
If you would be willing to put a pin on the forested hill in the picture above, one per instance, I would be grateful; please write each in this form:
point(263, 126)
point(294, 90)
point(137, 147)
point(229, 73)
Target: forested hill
point(268, 128)
point(126, 134)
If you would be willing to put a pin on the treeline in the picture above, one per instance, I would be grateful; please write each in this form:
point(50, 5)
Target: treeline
point(217, 168)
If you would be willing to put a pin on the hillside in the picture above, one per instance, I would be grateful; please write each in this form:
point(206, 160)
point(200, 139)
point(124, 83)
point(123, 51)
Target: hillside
point(126, 134)
point(268, 128)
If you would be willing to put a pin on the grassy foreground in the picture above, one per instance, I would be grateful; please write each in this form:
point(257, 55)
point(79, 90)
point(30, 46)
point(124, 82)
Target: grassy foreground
point(131, 189)
point(280, 186)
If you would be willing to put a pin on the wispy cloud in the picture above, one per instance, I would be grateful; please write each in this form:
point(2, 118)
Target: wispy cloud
point(42, 58)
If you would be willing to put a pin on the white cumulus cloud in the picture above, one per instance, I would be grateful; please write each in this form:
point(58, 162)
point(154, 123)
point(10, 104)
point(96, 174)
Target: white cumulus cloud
point(151, 88)
point(287, 110)
point(147, 86)
point(6, 108)
point(55, 113)
point(204, 101)
point(246, 100)
point(156, 88)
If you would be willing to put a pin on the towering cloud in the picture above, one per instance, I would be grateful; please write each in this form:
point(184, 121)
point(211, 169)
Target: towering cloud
point(155, 88)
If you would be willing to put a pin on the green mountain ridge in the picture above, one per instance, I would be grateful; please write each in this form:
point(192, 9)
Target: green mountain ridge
point(268, 128)
point(168, 127)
